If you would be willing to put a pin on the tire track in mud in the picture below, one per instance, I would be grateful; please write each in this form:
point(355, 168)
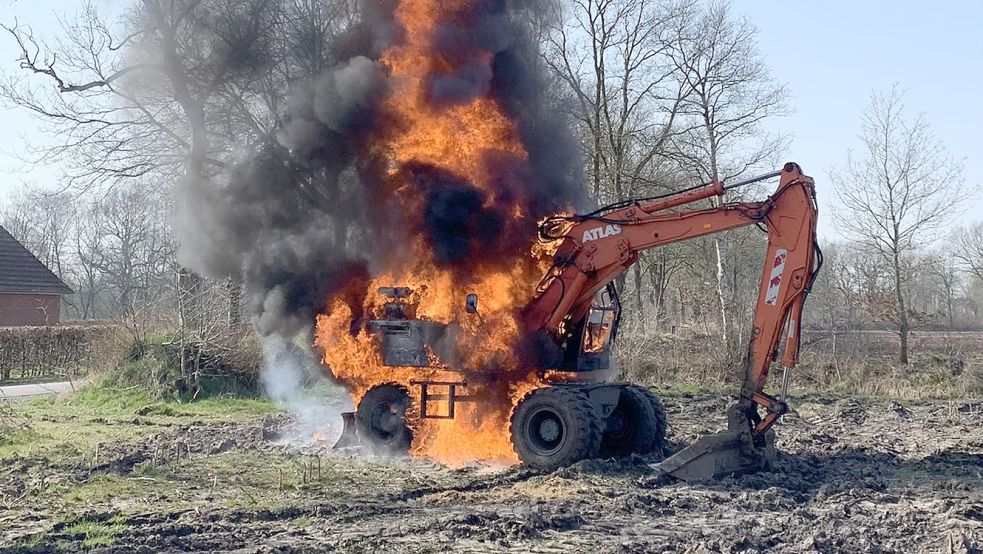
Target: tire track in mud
point(381, 519)
point(441, 513)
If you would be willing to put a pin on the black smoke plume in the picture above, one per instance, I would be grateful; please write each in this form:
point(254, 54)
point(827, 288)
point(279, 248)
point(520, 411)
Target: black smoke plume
point(300, 218)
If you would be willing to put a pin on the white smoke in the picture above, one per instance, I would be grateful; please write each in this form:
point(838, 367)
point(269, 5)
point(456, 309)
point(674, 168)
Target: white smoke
point(292, 377)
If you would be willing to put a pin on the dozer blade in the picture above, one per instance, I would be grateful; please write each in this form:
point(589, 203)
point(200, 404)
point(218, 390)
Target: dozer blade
point(721, 454)
point(348, 435)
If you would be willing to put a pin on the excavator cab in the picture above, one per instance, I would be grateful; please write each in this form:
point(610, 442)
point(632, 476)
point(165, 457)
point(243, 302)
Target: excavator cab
point(600, 323)
point(591, 340)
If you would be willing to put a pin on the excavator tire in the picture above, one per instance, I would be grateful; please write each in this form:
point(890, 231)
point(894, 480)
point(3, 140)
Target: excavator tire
point(660, 422)
point(380, 420)
point(554, 427)
point(631, 427)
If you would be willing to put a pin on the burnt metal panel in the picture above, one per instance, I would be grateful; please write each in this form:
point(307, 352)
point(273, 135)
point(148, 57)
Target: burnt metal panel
point(405, 341)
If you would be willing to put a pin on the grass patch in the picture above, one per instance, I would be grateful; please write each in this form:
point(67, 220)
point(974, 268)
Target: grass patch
point(211, 408)
point(104, 397)
point(68, 428)
point(104, 488)
point(266, 479)
point(97, 533)
point(223, 407)
point(12, 438)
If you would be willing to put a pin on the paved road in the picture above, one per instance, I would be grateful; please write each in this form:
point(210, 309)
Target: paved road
point(23, 391)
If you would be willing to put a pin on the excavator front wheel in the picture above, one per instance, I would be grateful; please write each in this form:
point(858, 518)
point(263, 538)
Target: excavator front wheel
point(554, 427)
point(380, 420)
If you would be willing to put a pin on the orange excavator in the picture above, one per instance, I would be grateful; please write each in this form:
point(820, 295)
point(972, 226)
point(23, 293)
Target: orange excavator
point(600, 246)
point(573, 320)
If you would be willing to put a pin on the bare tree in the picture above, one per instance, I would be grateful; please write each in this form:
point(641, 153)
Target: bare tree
point(612, 55)
point(130, 246)
point(173, 91)
point(969, 248)
point(662, 266)
point(898, 193)
point(106, 130)
point(172, 97)
point(944, 282)
point(89, 284)
point(41, 221)
point(849, 291)
point(729, 92)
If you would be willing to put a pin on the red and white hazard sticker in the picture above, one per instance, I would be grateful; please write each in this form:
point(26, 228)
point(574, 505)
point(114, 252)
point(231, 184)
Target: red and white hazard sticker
point(775, 281)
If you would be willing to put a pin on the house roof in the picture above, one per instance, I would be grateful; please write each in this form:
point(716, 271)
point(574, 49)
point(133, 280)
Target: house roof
point(21, 271)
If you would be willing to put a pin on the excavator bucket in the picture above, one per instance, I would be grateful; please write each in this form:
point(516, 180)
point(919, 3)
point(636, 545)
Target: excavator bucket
point(721, 454)
point(348, 436)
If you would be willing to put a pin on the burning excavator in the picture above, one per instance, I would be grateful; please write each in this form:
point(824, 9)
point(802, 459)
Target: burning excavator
point(458, 334)
point(556, 402)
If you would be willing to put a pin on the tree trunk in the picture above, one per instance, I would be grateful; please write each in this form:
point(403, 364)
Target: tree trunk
point(723, 286)
point(723, 290)
point(619, 283)
point(597, 167)
point(189, 283)
point(949, 298)
point(903, 324)
point(188, 295)
point(638, 289)
point(904, 341)
point(190, 320)
point(234, 288)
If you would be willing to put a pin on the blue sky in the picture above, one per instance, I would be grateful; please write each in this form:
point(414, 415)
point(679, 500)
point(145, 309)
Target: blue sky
point(832, 55)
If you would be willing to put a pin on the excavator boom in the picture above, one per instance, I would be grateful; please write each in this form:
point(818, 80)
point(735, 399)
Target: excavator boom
point(598, 247)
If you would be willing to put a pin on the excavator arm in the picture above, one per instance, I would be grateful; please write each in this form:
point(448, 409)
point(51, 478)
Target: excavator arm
point(597, 248)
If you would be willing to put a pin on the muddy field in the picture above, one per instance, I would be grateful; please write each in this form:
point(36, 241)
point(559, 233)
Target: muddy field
point(868, 477)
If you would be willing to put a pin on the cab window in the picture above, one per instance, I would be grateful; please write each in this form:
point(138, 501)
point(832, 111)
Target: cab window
point(599, 325)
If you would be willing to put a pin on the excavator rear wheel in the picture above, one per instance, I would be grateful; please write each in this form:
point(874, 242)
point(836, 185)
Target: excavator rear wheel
point(659, 420)
point(554, 427)
point(631, 427)
point(380, 420)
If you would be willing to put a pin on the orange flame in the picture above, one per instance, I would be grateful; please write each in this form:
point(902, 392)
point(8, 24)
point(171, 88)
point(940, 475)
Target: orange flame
point(459, 139)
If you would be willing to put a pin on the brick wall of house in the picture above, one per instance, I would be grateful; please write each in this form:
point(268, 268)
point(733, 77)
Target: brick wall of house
point(29, 309)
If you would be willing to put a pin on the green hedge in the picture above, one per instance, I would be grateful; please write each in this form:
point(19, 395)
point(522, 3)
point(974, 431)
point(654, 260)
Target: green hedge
point(38, 352)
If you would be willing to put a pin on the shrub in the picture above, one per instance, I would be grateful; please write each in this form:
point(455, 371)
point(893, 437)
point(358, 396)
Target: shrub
point(169, 368)
point(65, 351)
